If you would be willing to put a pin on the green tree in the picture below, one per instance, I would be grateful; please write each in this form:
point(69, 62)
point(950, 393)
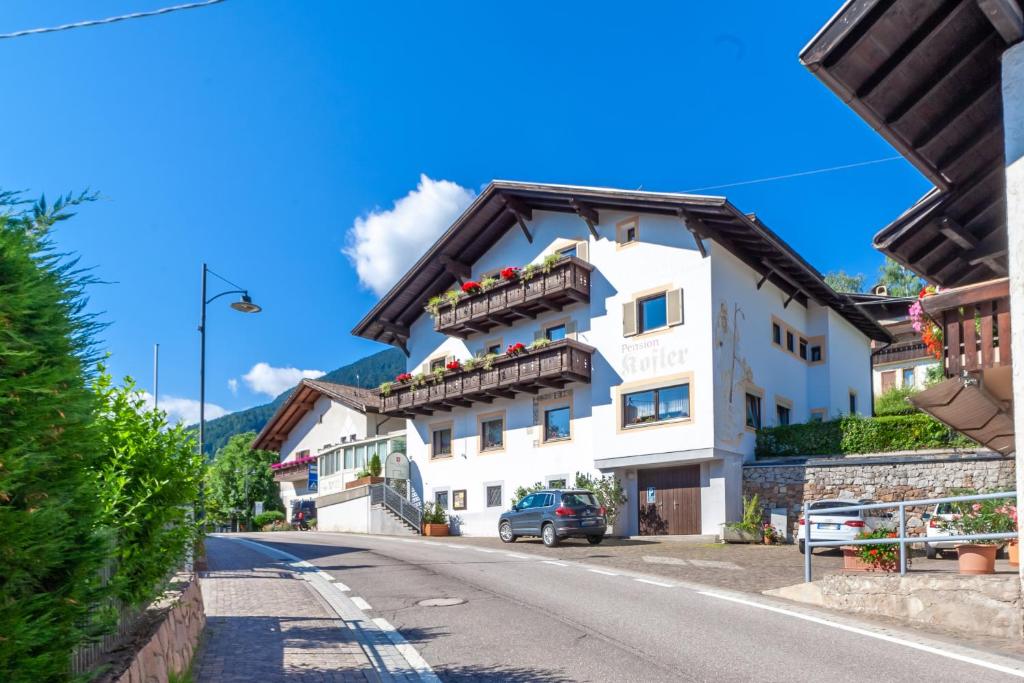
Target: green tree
point(49, 552)
point(841, 281)
point(148, 479)
point(607, 490)
point(238, 477)
point(899, 281)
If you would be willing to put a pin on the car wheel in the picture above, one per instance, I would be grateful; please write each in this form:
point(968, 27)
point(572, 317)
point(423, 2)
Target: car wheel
point(803, 548)
point(594, 540)
point(930, 551)
point(549, 536)
point(505, 533)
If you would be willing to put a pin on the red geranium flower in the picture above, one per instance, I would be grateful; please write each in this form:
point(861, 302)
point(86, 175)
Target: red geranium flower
point(454, 365)
point(873, 551)
point(515, 349)
point(470, 287)
point(403, 377)
point(510, 273)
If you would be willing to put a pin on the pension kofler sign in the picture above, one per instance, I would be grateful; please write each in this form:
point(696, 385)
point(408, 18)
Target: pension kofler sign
point(396, 466)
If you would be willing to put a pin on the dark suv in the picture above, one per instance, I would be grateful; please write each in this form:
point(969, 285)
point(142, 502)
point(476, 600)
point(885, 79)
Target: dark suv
point(554, 514)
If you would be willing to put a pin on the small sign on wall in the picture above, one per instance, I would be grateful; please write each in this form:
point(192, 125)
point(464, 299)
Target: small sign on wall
point(396, 466)
point(650, 495)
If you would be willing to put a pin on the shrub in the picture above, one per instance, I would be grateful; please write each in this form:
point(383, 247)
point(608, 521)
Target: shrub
point(855, 434)
point(751, 521)
point(269, 517)
point(49, 551)
point(607, 490)
point(374, 466)
point(433, 513)
point(894, 402)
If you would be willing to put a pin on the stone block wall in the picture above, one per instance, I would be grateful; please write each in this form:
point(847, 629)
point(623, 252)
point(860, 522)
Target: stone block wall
point(787, 483)
point(175, 641)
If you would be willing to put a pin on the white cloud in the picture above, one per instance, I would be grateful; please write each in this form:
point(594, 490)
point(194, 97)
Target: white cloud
point(184, 409)
point(233, 386)
point(384, 244)
point(264, 378)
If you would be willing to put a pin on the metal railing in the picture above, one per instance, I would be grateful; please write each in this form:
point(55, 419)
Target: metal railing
point(382, 494)
point(901, 537)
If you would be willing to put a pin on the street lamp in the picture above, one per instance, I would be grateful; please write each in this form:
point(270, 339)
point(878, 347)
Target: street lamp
point(244, 305)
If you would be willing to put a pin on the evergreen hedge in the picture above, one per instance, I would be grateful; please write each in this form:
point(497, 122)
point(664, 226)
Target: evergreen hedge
point(856, 434)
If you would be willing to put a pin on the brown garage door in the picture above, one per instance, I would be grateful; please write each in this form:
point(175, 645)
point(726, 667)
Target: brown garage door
point(675, 492)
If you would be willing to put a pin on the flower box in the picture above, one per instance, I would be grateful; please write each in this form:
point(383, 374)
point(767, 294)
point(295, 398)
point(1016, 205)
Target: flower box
point(435, 529)
point(364, 481)
point(853, 563)
point(733, 535)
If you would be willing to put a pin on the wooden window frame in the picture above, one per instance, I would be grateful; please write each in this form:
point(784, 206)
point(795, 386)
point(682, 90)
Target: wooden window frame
point(626, 394)
point(436, 427)
point(622, 228)
point(758, 392)
point(447, 491)
point(490, 417)
point(620, 392)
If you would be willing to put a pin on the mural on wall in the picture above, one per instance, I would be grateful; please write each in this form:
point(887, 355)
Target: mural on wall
point(733, 375)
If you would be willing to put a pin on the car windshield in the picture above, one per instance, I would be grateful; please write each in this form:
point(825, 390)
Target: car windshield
point(576, 500)
point(821, 508)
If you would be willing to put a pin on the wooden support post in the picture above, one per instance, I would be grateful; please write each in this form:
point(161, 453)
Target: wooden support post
point(697, 228)
point(588, 214)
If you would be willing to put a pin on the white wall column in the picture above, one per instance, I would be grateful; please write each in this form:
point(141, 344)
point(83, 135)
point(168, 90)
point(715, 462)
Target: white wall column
point(1013, 121)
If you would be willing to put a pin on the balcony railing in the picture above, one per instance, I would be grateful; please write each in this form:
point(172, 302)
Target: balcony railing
point(554, 366)
point(975, 322)
point(293, 473)
point(566, 283)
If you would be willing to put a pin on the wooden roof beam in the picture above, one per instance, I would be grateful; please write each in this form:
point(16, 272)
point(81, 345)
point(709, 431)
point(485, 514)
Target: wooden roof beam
point(1006, 16)
point(990, 257)
point(457, 268)
point(521, 212)
point(588, 214)
point(796, 289)
point(954, 231)
point(697, 228)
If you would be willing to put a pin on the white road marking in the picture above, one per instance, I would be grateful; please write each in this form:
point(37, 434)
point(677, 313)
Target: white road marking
point(456, 546)
point(715, 564)
point(557, 564)
point(601, 571)
point(518, 556)
point(340, 586)
point(871, 634)
point(360, 603)
point(484, 550)
point(325, 575)
point(654, 559)
point(413, 540)
point(656, 583)
point(413, 657)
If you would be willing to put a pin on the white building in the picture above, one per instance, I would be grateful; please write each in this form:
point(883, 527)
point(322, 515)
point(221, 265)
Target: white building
point(674, 326)
point(315, 419)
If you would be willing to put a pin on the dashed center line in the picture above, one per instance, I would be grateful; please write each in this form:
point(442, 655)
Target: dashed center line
point(518, 556)
point(360, 603)
point(557, 564)
point(484, 550)
point(656, 583)
point(601, 571)
point(340, 586)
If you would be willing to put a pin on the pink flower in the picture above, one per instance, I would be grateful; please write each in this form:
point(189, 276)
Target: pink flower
point(976, 507)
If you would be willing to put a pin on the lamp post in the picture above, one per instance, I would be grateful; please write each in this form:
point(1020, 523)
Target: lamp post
point(244, 305)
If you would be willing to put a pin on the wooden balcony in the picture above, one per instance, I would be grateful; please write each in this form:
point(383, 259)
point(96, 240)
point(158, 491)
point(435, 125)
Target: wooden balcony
point(552, 366)
point(567, 282)
point(975, 322)
point(293, 473)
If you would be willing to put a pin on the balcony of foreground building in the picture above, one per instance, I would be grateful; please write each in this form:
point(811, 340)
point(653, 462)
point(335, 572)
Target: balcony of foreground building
point(292, 470)
point(552, 366)
point(567, 282)
point(976, 398)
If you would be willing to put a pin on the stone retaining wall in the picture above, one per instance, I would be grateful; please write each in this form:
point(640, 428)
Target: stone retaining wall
point(788, 482)
point(175, 641)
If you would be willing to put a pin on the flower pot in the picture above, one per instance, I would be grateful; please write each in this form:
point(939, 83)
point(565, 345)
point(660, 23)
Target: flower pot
point(1014, 552)
point(730, 535)
point(977, 558)
point(852, 562)
point(435, 529)
point(364, 481)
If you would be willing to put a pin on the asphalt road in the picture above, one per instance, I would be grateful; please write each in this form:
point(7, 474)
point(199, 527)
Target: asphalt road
point(526, 619)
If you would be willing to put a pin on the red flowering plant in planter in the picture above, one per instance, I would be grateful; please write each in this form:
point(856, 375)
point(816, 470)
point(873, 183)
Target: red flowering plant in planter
point(454, 365)
point(471, 287)
point(931, 334)
point(403, 377)
point(515, 349)
point(881, 556)
point(510, 273)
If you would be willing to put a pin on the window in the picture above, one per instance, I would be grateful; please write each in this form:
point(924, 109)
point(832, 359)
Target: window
point(656, 405)
point(494, 496)
point(360, 457)
point(525, 504)
point(789, 341)
point(556, 424)
point(908, 378)
point(629, 235)
point(555, 333)
point(888, 380)
point(652, 313)
point(350, 459)
point(556, 483)
point(442, 442)
point(459, 499)
point(441, 498)
point(803, 349)
point(818, 415)
point(627, 232)
point(776, 334)
point(782, 414)
point(815, 354)
point(853, 402)
point(436, 363)
point(568, 251)
point(493, 348)
point(492, 434)
point(753, 411)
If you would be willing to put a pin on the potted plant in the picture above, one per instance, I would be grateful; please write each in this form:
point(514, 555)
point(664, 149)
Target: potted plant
point(980, 517)
point(365, 476)
point(471, 287)
point(748, 529)
point(870, 557)
point(515, 349)
point(510, 273)
point(770, 534)
point(403, 377)
point(435, 520)
point(453, 365)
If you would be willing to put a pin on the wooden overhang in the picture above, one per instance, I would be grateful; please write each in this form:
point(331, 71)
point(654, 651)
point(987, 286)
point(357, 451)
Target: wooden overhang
point(507, 205)
point(926, 75)
point(302, 399)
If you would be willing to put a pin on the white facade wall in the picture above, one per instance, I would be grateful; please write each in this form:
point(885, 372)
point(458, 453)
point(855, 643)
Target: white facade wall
point(700, 351)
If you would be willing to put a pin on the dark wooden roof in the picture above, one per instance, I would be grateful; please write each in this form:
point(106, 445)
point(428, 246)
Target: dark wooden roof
point(881, 307)
point(926, 75)
point(301, 401)
point(502, 203)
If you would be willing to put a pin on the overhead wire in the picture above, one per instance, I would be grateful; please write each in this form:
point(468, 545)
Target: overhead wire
point(794, 175)
point(109, 20)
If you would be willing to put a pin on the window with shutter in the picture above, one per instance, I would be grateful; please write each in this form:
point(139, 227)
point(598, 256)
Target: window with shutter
point(583, 251)
point(675, 307)
point(629, 319)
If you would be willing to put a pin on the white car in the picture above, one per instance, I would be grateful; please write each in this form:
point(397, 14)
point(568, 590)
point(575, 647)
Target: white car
point(839, 526)
point(943, 512)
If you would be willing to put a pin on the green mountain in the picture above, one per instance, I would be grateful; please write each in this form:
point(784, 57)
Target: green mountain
point(365, 372)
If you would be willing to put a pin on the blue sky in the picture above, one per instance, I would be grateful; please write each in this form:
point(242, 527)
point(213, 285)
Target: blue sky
point(254, 134)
